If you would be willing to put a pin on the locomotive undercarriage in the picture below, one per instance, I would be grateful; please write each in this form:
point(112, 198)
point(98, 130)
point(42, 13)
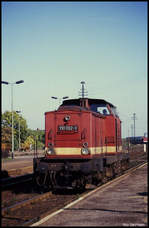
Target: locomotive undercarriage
point(75, 174)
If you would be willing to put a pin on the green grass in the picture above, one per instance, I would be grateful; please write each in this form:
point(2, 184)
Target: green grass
point(6, 159)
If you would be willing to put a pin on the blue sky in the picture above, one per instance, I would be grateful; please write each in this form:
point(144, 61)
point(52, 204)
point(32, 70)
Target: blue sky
point(53, 46)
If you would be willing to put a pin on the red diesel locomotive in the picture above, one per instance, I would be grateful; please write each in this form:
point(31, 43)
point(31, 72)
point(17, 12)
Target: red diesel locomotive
point(82, 145)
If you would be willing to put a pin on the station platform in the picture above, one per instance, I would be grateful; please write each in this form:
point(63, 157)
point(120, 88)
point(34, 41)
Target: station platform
point(20, 160)
point(122, 203)
point(17, 163)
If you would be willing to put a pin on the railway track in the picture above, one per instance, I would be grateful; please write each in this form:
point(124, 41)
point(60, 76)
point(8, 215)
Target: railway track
point(50, 203)
point(14, 181)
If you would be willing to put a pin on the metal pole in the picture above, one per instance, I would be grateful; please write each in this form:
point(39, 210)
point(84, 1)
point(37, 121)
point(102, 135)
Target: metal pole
point(134, 118)
point(134, 123)
point(17, 82)
point(37, 143)
point(19, 130)
point(128, 140)
point(12, 120)
point(34, 146)
point(19, 133)
point(131, 130)
point(60, 99)
point(82, 89)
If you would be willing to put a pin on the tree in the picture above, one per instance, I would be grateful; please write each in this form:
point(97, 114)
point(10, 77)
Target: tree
point(28, 143)
point(6, 134)
point(7, 124)
point(25, 133)
point(6, 119)
point(38, 135)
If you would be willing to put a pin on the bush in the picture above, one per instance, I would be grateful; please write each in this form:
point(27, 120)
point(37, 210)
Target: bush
point(5, 153)
point(5, 148)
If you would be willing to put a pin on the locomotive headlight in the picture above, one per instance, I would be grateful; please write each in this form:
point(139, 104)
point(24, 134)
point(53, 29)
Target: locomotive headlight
point(85, 151)
point(66, 118)
point(49, 151)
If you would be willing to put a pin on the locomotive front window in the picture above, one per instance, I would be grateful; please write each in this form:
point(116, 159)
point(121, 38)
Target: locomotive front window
point(101, 108)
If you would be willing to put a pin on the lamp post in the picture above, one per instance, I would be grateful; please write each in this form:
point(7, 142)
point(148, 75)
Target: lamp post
point(60, 98)
point(7, 83)
point(36, 143)
point(19, 129)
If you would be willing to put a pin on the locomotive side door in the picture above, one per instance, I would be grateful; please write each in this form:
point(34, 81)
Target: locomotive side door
point(101, 135)
point(95, 134)
point(98, 136)
point(116, 135)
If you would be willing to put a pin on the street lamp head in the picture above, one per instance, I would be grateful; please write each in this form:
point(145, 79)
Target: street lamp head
point(62, 97)
point(5, 82)
point(54, 97)
point(18, 111)
point(19, 82)
point(65, 97)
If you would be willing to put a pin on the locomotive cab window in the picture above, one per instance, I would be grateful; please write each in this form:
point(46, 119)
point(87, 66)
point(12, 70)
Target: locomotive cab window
point(114, 111)
point(100, 108)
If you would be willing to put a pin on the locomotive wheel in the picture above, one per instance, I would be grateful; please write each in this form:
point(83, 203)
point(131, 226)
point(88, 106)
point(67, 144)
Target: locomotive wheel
point(97, 178)
point(125, 165)
point(40, 181)
point(109, 171)
point(79, 184)
point(117, 168)
point(104, 177)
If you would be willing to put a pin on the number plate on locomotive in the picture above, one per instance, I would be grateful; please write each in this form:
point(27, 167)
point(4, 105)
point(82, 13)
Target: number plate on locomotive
point(67, 128)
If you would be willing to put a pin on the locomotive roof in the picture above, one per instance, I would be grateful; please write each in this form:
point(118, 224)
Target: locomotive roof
point(90, 101)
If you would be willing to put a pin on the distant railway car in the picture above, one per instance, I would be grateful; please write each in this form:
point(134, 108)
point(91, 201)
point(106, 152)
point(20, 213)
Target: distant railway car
point(136, 140)
point(82, 145)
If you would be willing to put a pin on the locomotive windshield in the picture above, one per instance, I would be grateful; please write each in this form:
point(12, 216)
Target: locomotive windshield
point(101, 108)
point(95, 105)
